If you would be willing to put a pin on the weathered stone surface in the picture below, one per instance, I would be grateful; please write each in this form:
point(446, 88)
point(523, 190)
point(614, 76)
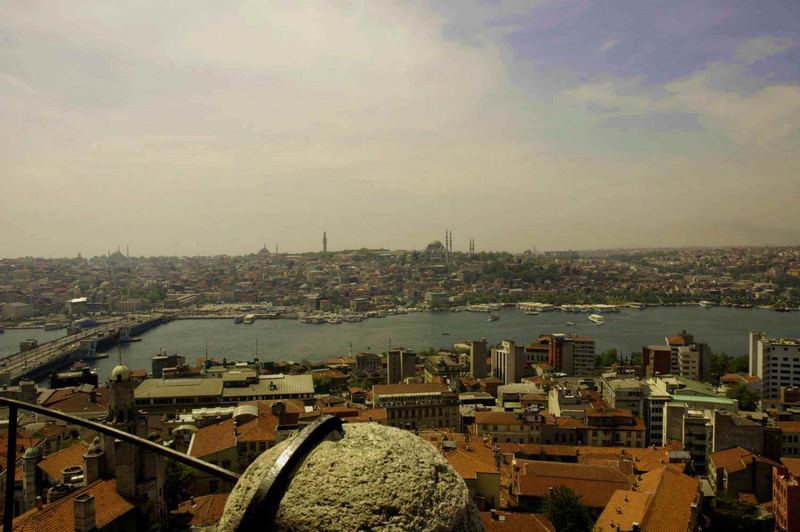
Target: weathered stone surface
point(375, 478)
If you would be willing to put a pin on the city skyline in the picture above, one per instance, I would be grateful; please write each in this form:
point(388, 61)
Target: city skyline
point(571, 125)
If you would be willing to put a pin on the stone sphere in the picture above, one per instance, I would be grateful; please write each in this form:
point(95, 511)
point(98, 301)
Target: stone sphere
point(373, 478)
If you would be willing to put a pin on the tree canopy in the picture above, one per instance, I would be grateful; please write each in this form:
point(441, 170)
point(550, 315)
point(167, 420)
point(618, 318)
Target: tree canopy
point(564, 508)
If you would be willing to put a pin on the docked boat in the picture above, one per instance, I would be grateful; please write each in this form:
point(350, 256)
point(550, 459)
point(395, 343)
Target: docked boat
point(597, 318)
point(493, 317)
point(249, 319)
point(706, 304)
point(53, 326)
point(238, 319)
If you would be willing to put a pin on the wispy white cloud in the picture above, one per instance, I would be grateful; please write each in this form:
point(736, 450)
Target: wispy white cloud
point(758, 48)
point(608, 45)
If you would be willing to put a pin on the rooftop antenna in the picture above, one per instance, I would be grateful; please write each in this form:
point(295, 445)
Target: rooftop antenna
point(256, 347)
point(206, 347)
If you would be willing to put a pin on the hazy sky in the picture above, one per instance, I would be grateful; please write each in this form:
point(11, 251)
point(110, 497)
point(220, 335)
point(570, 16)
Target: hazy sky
point(204, 127)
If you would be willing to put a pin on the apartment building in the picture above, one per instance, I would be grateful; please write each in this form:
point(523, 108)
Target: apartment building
point(776, 361)
point(418, 405)
point(508, 361)
point(614, 427)
point(477, 358)
point(401, 364)
point(509, 427)
point(569, 353)
point(786, 495)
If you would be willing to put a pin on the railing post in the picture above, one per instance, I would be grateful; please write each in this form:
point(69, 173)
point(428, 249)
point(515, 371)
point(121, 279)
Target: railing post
point(11, 466)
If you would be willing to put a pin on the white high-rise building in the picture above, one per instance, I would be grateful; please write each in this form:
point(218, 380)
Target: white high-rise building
point(508, 362)
point(776, 361)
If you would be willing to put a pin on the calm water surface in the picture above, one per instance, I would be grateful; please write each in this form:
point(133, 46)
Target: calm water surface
point(724, 329)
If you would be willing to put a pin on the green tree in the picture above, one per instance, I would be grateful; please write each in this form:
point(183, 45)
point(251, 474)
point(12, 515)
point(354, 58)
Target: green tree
point(606, 358)
point(747, 399)
point(566, 511)
point(178, 482)
point(323, 385)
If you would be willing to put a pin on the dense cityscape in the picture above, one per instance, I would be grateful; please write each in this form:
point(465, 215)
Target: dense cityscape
point(501, 266)
point(616, 435)
point(437, 277)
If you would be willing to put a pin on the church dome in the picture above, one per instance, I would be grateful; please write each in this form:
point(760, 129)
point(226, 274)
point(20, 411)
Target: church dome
point(120, 374)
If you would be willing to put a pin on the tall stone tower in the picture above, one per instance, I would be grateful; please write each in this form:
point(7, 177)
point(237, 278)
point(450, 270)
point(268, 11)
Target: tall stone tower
point(324, 242)
point(139, 473)
point(31, 478)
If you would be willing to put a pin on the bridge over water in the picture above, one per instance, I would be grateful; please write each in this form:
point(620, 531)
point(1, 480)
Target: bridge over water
point(47, 357)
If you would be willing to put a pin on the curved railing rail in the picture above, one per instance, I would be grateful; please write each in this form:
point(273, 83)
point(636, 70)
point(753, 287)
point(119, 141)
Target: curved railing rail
point(14, 406)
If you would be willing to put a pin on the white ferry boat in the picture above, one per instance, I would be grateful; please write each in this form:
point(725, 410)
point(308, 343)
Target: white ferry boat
point(597, 318)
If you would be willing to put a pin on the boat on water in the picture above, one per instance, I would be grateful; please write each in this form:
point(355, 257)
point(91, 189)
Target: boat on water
point(53, 326)
point(445, 334)
point(99, 356)
point(532, 312)
point(493, 317)
point(597, 318)
point(129, 340)
point(249, 319)
point(706, 304)
point(2, 330)
point(570, 324)
point(238, 319)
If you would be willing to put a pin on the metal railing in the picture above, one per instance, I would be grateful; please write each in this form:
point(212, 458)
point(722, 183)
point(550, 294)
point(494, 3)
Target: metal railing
point(14, 406)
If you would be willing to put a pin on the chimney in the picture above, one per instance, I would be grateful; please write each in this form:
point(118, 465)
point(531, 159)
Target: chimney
point(279, 411)
point(39, 503)
point(84, 513)
point(93, 396)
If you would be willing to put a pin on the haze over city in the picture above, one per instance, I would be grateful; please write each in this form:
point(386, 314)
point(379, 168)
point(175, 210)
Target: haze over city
point(204, 128)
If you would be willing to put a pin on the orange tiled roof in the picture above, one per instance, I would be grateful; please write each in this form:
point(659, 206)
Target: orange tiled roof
point(423, 387)
point(662, 502)
point(595, 484)
point(75, 401)
point(220, 436)
point(56, 462)
point(793, 465)
point(206, 510)
point(60, 515)
point(516, 522)
point(370, 414)
point(789, 426)
point(498, 418)
point(671, 506)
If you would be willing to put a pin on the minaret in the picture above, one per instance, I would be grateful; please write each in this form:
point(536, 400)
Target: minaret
point(324, 242)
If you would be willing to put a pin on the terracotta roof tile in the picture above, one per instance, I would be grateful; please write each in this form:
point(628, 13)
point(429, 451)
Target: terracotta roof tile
point(595, 484)
point(515, 522)
point(60, 515)
point(206, 510)
point(56, 462)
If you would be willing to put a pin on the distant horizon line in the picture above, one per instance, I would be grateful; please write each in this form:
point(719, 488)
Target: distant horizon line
point(400, 250)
